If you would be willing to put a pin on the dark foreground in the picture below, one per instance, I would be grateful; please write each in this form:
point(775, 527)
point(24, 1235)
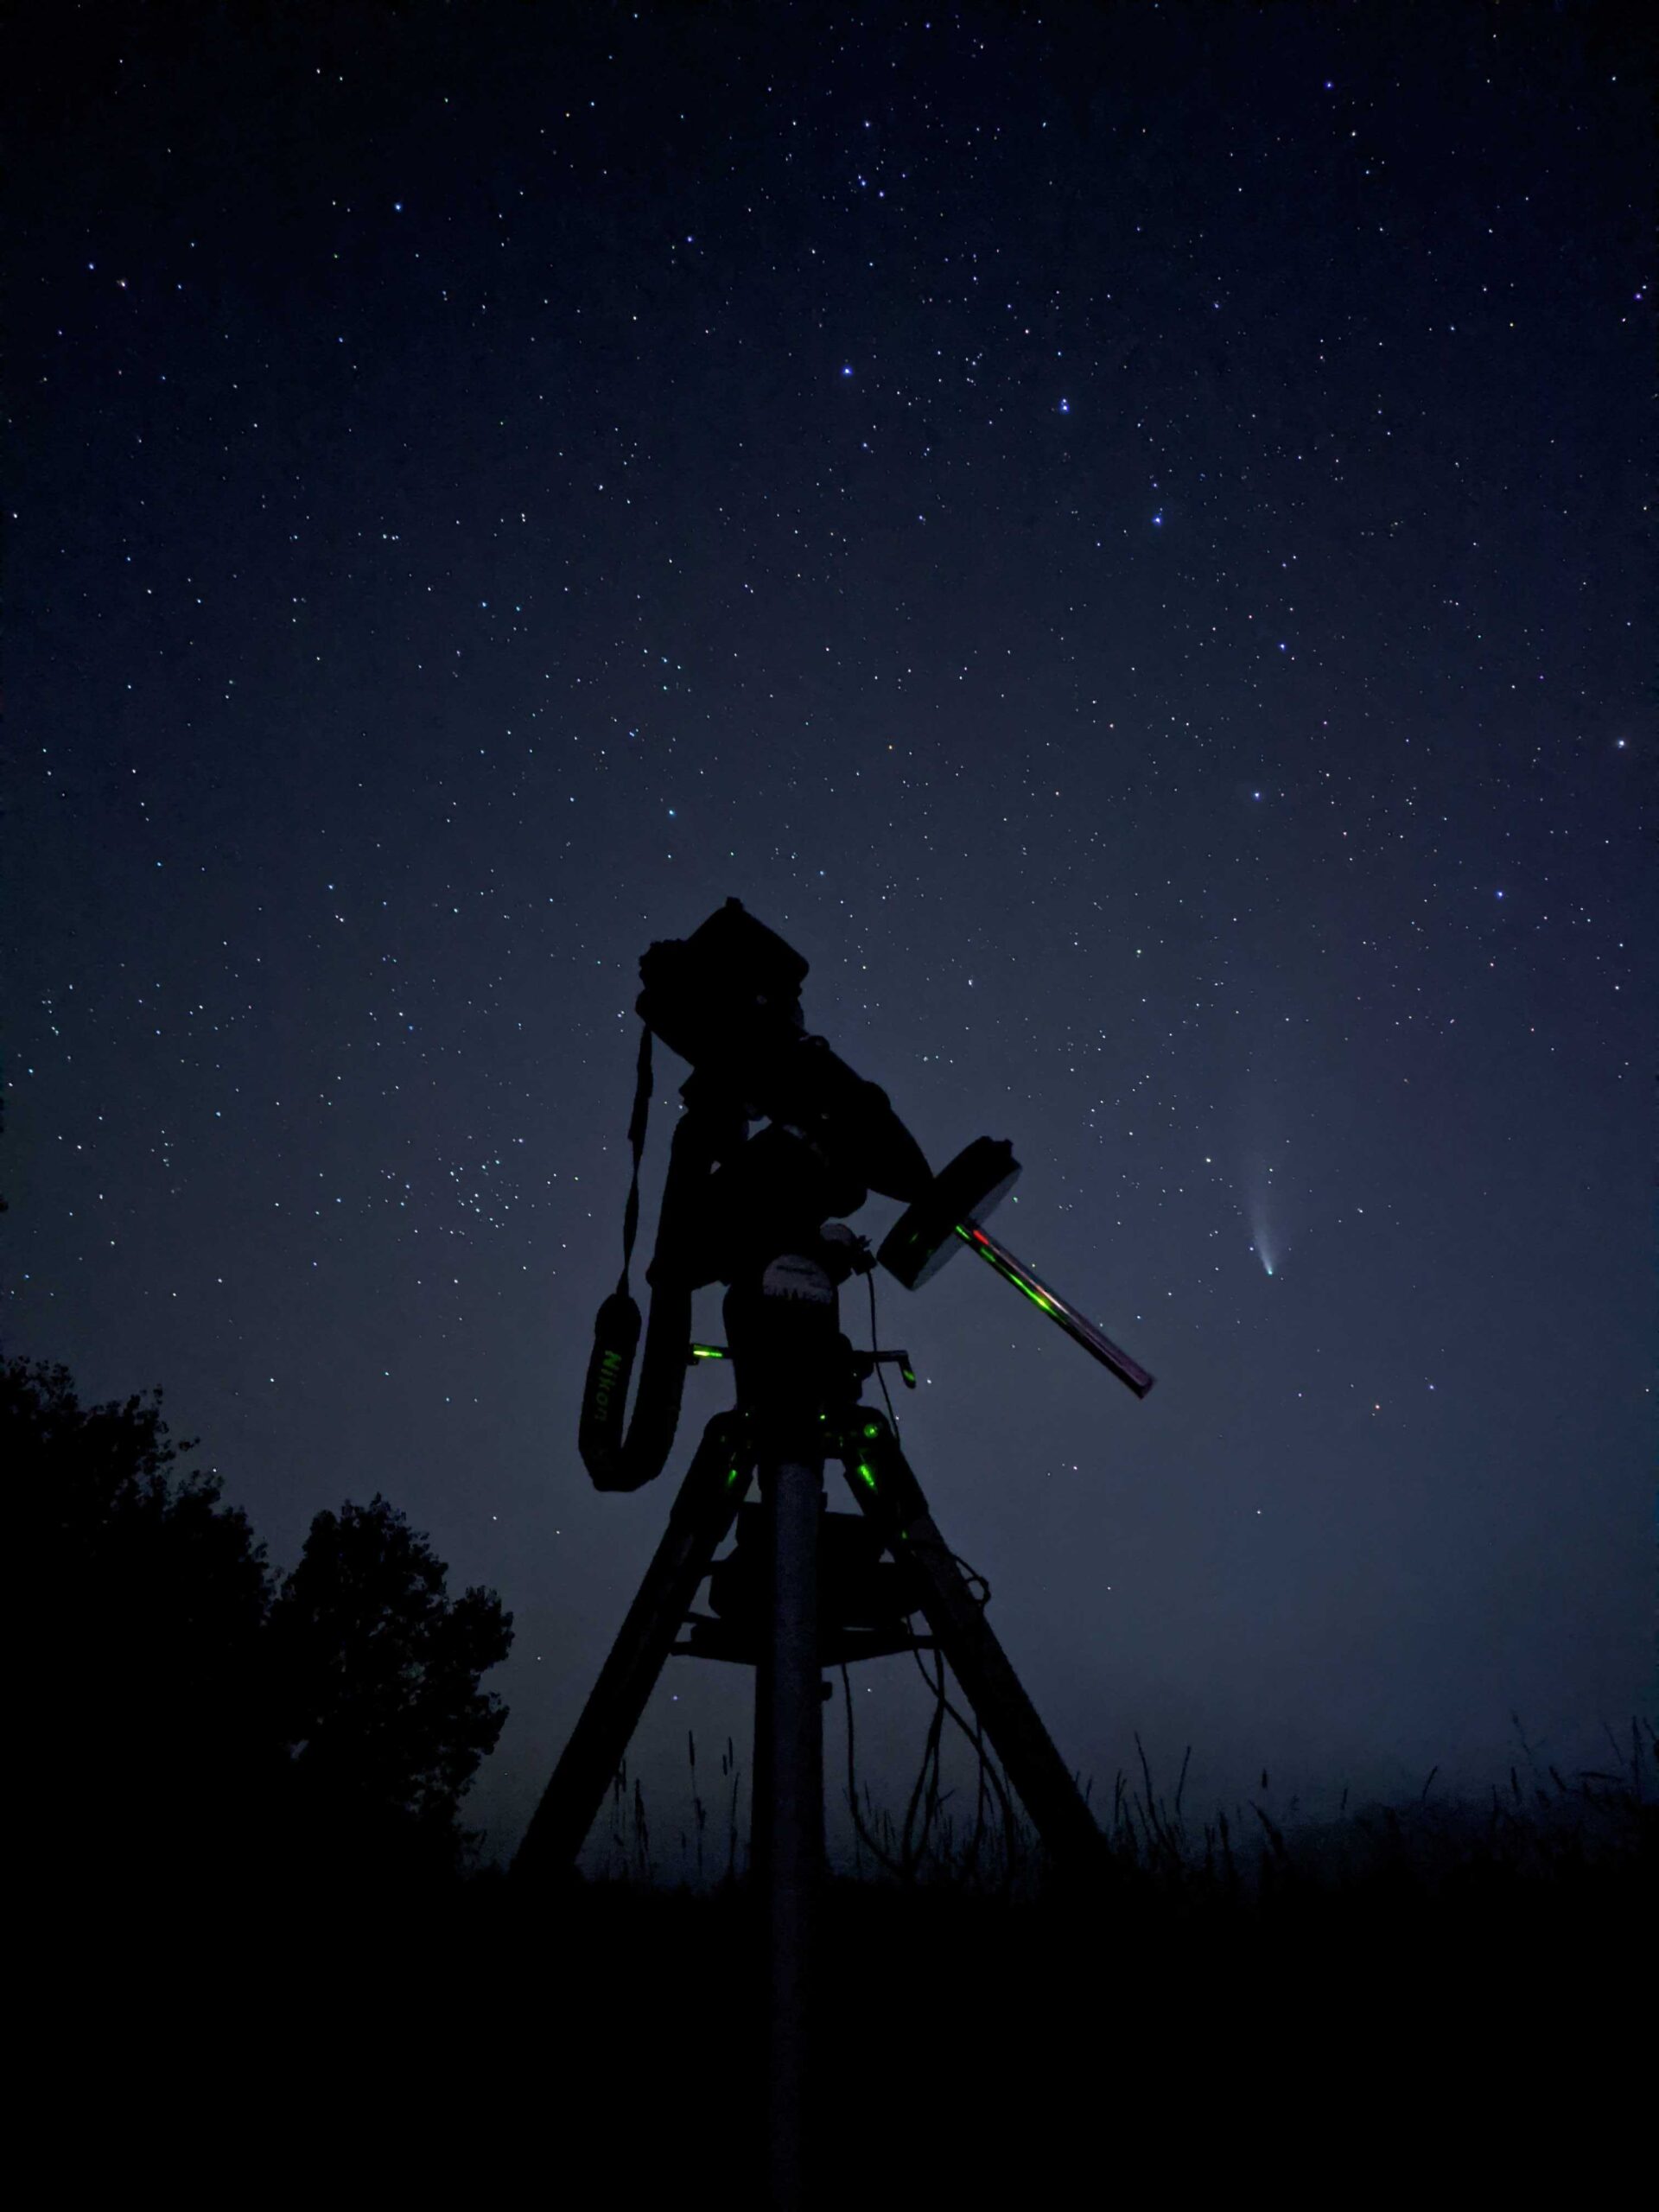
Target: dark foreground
point(1430, 2021)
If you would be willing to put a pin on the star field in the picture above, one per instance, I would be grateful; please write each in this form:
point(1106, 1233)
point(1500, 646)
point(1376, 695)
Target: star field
point(1116, 533)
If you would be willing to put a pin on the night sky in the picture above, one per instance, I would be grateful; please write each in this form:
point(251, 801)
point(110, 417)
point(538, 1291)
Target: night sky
point(1117, 531)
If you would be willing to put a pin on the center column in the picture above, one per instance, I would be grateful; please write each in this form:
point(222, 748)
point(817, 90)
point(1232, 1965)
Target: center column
point(784, 1356)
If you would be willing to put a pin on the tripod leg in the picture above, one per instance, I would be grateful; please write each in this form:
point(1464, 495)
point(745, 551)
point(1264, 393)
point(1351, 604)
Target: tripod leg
point(880, 1479)
point(702, 1514)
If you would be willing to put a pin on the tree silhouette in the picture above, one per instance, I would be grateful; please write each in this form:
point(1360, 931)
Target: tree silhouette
point(156, 1717)
point(378, 1671)
point(197, 1725)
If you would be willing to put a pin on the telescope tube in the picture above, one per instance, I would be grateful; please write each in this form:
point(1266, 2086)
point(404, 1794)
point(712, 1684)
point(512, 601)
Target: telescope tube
point(1077, 1325)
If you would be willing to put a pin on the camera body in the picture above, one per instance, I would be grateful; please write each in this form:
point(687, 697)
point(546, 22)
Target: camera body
point(727, 999)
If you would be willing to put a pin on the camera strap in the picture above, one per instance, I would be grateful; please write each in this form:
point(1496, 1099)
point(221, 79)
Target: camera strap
point(637, 1140)
point(619, 1454)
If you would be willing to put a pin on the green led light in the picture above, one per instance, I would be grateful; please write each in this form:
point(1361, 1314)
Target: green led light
point(732, 1477)
point(872, 1428)
point(864, 1475)
point(710, 1352)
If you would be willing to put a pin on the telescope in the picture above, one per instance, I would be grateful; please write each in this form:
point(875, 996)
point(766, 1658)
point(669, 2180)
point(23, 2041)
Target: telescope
point(802, 1589)
point(728, 1000)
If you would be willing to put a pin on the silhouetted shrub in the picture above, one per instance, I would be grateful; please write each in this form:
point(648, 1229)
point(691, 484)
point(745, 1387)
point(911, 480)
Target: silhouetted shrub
point(201, 1726)
point(376, 1669)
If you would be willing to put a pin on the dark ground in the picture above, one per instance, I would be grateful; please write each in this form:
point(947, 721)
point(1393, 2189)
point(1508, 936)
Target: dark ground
point(1449, 2018)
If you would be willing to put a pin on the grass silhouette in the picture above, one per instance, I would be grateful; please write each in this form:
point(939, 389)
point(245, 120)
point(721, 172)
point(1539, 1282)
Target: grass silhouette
point(1220, 2003)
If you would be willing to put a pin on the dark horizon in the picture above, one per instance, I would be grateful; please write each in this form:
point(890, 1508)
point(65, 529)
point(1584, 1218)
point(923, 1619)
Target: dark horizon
point(1121, 535)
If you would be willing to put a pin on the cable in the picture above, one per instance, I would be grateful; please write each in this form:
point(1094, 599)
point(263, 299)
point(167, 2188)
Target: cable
point(975, 1736)
point(980, 1591)
point(923, 1793)
point(982, 1596)
point(891, 1416)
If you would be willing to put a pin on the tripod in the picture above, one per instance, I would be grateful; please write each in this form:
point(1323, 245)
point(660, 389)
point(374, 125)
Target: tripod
point(798, 1406)
point(755, 1212)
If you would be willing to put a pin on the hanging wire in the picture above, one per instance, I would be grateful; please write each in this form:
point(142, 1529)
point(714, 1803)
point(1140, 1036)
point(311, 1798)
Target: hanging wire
point(891, 1416)
point(988, 1766)
point(978, 1588)
point(924, 1796)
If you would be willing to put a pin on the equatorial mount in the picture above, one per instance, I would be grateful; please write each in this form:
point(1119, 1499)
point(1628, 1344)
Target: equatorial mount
point(801, 1589)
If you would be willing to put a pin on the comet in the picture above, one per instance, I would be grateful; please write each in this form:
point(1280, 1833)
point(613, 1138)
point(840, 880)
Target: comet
point(1264, 1238)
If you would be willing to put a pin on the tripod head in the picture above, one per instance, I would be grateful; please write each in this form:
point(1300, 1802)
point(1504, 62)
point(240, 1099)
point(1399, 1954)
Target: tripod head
point(728, 1000)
